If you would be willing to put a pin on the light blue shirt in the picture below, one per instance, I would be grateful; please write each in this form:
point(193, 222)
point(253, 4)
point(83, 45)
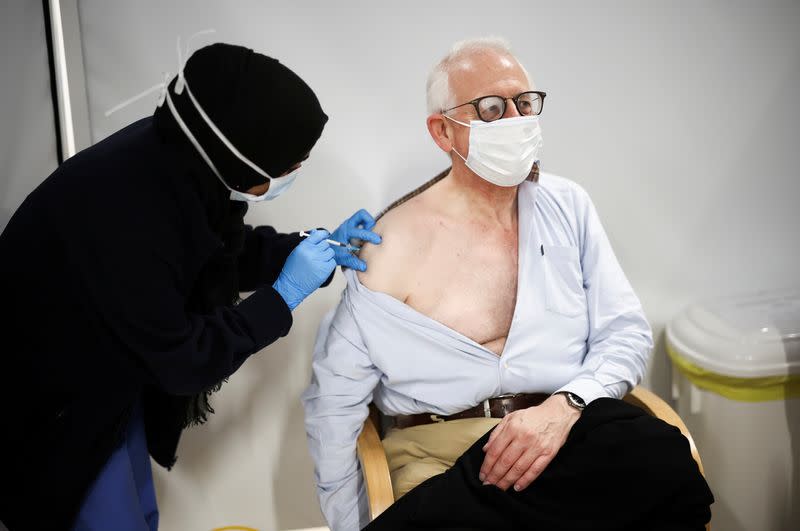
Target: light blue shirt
point(577, 326)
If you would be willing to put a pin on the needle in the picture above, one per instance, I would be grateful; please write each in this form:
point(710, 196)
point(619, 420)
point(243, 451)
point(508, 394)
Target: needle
point(349, 247)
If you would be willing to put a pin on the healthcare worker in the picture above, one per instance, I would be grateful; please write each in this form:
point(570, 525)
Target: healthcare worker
point(120, 276)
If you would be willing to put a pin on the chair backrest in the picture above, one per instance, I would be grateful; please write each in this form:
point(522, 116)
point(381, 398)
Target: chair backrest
point(413, 193)
point(534, 176)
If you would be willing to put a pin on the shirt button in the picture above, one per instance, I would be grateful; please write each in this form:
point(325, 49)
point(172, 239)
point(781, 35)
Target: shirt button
point(505, 364)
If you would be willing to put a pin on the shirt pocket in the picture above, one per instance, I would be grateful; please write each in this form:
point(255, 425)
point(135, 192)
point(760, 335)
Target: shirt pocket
point(563, 280)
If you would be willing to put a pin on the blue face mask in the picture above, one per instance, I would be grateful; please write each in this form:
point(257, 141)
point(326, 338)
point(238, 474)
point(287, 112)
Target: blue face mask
point(277, 185)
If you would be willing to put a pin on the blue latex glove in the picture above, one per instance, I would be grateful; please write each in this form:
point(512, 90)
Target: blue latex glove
point(357, 227)
point(306, 268)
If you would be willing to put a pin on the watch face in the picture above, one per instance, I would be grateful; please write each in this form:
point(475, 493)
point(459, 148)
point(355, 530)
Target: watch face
point(575, 401)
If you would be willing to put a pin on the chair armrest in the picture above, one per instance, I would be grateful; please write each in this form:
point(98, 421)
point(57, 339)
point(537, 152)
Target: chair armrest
point(653, 404)
point(375, 469)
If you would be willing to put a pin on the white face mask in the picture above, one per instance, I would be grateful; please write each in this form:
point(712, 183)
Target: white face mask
point(503, 151)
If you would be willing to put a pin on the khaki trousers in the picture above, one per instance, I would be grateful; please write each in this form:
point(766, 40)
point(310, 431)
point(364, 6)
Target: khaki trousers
point(420, 452)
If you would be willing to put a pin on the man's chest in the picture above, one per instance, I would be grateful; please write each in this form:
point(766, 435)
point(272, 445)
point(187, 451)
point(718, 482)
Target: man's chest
point(468, 282)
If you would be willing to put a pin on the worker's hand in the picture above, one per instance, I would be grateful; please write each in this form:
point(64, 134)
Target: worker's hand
point(306, 269)
point(357, 227)
point(524, 443)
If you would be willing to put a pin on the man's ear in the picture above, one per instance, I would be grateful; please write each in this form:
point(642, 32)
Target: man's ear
point(440, 132)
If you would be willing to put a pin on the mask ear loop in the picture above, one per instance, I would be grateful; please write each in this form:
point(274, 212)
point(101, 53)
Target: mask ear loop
point(453, 149)
point(181, 83)
point(221, 136)
point(457, 121)
point(161, 86)
point(164, 88)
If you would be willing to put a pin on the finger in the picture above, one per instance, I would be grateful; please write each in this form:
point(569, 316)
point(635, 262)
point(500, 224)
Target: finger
point(495, 433)
point(534, 471)
point(518, 469)
point(504, 462)
point(351, 261)
point(493, 452)
point(328, 254)
point(323, 247)
point(366, 235)
point(316, 236)
point(323, 244)
point(362, 217)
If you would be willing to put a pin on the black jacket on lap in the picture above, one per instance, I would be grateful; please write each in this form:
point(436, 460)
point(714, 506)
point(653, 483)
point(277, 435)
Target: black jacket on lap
point(619, 470)
point(105, 275)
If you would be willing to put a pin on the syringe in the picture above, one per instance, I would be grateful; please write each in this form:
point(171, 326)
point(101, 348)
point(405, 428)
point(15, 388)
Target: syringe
point(347, 246)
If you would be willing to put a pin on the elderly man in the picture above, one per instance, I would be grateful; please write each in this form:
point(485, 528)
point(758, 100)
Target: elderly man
point(495, 294)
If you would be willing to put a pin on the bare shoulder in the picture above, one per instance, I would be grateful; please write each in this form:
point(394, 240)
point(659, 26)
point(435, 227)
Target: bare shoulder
point(389, 264)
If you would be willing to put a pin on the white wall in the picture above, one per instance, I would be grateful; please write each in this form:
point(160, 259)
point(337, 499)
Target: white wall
point(680, 118)
point(27, 132)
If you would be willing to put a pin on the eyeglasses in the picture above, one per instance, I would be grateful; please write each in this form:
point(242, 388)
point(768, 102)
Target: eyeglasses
point(491, 108)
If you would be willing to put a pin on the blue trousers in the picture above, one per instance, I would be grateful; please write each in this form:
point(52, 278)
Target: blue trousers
point(123, 497)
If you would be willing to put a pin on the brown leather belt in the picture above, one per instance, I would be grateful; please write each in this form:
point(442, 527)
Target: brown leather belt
point(497, 408)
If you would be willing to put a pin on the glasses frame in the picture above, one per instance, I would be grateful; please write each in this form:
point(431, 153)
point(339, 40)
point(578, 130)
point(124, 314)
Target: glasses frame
point(515, 99)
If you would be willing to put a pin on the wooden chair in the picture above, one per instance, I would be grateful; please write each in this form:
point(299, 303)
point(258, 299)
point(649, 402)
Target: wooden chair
point(376, 469)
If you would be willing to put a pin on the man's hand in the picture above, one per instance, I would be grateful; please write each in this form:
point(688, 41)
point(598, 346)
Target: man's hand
point(525, 441)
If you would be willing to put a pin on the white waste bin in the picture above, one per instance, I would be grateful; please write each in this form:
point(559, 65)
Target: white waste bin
point(736, 383)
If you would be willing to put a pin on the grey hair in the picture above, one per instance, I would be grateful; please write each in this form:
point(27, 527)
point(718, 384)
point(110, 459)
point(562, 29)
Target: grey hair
point(439, 95)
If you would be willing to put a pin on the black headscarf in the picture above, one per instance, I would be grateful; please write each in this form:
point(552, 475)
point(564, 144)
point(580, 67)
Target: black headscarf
point(266, 111)
point(273, 118)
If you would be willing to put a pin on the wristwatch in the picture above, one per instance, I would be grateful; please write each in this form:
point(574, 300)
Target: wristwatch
point(573, 400)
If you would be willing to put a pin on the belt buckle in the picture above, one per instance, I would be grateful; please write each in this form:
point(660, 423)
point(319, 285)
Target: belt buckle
point(436, 418)
point(487, 409)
